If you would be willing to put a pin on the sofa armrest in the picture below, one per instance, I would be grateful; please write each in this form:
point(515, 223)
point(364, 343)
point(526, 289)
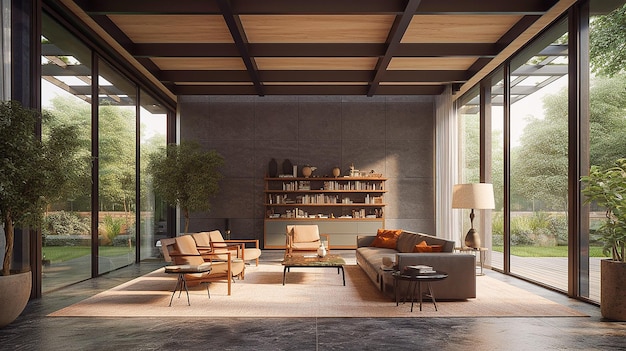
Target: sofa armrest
point(364, 240)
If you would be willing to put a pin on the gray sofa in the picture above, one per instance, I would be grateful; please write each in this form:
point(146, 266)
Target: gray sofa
point(461, 268)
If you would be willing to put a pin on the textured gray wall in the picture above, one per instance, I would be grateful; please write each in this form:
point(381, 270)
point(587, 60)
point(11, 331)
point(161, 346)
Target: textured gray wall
point(390, 135)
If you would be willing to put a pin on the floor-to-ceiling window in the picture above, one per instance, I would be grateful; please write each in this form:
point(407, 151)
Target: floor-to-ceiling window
point(153, 125)
point(469, 151)
point(607, 119)
point(497, 169)
point(117, 118)
point(66, 96)
point(539, 160)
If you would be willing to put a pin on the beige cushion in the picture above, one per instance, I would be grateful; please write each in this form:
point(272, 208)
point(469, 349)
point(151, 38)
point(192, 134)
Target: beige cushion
point(202, 239)
point(305, 234)
point(185, 245)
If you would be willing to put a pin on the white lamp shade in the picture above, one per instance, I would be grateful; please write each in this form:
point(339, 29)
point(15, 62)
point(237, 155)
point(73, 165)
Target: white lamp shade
point(476, 195)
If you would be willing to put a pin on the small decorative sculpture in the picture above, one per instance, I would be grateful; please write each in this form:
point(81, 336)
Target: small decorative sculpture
point(321, 251)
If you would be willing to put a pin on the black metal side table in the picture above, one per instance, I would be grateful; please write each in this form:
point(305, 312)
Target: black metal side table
point(181, 270)
point(415, 280)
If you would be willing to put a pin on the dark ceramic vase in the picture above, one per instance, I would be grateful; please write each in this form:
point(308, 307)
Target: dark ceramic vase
point(272, 168)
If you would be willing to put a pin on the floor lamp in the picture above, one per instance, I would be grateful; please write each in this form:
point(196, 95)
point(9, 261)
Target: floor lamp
point(473, 196)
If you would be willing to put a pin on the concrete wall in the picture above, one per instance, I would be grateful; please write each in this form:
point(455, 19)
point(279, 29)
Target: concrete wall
point(390, 135)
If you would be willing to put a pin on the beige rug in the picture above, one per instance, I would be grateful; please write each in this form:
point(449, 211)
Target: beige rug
point(309, 292)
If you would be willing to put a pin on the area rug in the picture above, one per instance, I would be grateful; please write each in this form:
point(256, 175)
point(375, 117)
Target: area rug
point(308, 292)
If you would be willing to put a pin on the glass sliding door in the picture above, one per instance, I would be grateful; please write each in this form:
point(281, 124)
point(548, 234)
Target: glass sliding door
point(469, 153)
point(539, 160)
point(497, 169)
point(153, 128)
point(607, 100)
point(66, 97)
point(117, 117)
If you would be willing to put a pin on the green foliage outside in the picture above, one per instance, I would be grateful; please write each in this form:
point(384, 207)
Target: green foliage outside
point(112, 226)
point(65, 223)
point(538, 251)
point(608, 38)
point(58, 254)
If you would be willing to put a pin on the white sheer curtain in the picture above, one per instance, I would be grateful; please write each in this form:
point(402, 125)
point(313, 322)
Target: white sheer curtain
point(448, 223)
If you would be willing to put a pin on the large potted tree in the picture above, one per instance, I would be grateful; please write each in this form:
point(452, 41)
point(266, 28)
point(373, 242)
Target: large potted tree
point(186, 176)
point(34, 171)
point(607, 188)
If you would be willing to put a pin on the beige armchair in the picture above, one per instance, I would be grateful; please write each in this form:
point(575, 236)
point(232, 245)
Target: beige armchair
point(184, 251)
point(303, 238)
point(217, 243)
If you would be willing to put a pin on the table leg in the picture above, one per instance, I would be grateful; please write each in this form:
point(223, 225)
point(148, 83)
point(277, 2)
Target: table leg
point(415, 284)
point(395, 289)
point(419, 292)
point(432, 296)
point(343, 273)
point(183, 285)
point(284, 272)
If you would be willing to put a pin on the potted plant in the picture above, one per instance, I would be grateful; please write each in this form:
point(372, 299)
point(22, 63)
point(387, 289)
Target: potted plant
point(33, 173)
point(186, 176)
point(607, 188)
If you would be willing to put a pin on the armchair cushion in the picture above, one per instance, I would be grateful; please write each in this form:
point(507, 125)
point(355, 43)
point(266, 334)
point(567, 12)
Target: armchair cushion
point(306, 234)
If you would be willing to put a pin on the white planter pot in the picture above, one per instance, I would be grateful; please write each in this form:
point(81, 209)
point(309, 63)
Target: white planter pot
point(613, 290)
point(14, 295)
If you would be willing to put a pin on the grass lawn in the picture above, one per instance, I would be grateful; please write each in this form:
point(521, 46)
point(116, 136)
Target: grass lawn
point(546, 251)
point(58, 254)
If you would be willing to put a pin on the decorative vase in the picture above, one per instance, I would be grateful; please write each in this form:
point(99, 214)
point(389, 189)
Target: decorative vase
point(287, 167)
point(336, 172)
point(321, 251)
point(307, 171)
point(14, 295)
point(272, 168)
point(612, 282)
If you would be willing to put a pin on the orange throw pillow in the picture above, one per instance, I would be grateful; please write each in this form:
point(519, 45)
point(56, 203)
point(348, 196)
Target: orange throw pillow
point(386, 238)
point(424, 247)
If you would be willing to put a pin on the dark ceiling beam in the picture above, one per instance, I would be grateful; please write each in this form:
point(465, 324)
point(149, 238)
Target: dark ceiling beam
point(148, 7)
point(244, 7)
point(393, 40)
point(114, 31)
point(434, 76)
point(516, 30)
point(466, 7)
point(308, 89)
point(477, 66)
point(447, 49)
point(410, 90)
point(239, 36)
point(313, 50)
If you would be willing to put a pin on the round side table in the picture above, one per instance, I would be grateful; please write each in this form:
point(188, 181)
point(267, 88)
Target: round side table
point(415, 280)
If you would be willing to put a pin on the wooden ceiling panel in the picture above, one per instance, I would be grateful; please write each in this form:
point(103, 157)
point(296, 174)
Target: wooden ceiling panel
point(354, 47)
point(317, 28)
point(431, 63)
point(174, 29)
point(316, 63)
point(458, 28)
point(192, 63)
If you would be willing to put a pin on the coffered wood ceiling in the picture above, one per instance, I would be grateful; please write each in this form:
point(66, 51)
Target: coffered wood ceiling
point(321, 47)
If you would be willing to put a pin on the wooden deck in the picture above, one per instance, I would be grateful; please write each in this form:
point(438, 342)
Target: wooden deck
point(550, 270)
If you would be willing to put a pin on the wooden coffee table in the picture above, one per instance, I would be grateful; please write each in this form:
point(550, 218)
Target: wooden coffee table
point(314, 261)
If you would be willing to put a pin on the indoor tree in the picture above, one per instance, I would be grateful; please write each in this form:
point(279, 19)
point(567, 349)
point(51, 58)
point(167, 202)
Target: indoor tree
point(33, 171)
point(186, 176)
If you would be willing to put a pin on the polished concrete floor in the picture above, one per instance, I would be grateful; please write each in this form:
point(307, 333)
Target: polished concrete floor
point(33, 330)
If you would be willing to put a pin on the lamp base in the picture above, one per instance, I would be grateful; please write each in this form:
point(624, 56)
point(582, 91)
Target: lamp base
point(472, 239)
